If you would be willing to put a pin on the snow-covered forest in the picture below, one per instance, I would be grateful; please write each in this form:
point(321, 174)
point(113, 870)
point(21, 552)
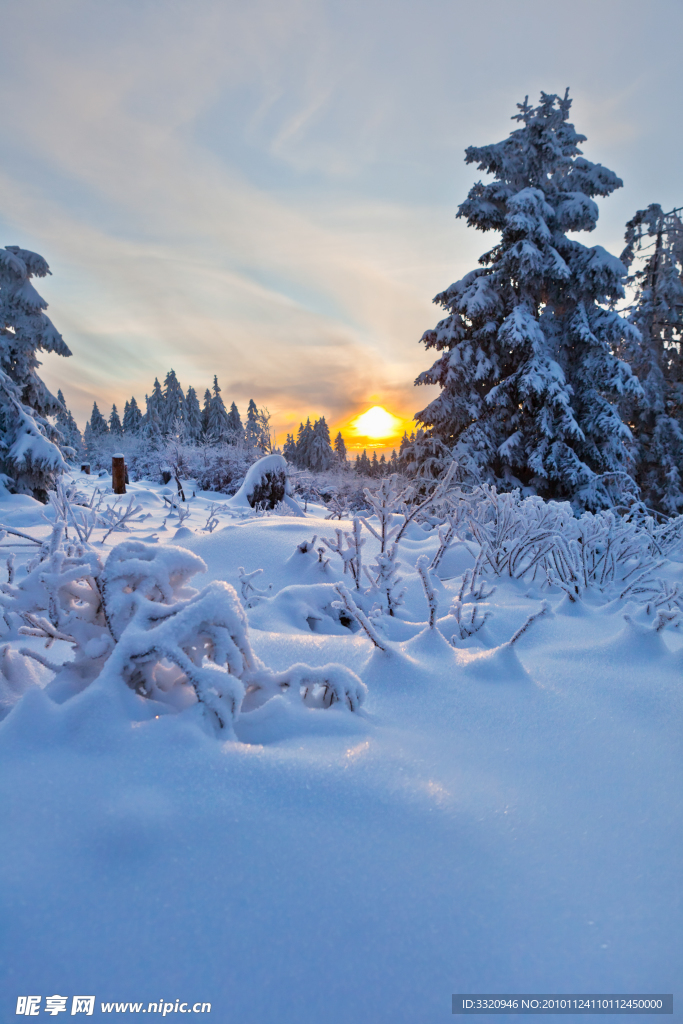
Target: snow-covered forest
point(309, 735)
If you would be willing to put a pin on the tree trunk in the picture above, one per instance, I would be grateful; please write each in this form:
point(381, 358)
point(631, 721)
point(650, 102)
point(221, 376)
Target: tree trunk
point(85, 468)
point(118, 474)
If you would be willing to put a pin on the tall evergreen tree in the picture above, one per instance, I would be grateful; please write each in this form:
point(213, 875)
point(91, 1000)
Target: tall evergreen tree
point(340, 448)
point(252, 430)
point(174, 404)
point(289, 449)
point(530, 386)
point(30, 458)
point(68, 427)
point(98, 424)
point(193, 415)
point(154, 417)
point(115, 422)
point(132, 418)
point(654, 255)
point(263, 421)
point(235, 428)
point(304, 443)
point(218, 428)
point(206, 409)
point(321, 455)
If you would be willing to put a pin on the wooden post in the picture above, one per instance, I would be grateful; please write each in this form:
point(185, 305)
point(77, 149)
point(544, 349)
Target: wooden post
point(118, 474)
point(85, 468)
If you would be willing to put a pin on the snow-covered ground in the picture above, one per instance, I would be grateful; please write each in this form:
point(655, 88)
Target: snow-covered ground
point(495, 818)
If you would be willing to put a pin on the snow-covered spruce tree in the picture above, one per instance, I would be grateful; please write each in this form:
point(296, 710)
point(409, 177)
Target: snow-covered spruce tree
point(206, 409)
point(218, 425)
point(154, 417)
point(193, 416)
point(304, 444)
point(30, 458)
point(530, 385)
point(68, 428)
point(289, 449)
point(174, 404)
point(252, 431)
point(654, 256)
point(235, 428)
point(98, 424)
point(340, 449)
point(115, 427)
point(321, 454)
point(132, 418)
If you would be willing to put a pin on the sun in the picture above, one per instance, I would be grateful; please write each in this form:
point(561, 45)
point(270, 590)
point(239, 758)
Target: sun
point(376, 423)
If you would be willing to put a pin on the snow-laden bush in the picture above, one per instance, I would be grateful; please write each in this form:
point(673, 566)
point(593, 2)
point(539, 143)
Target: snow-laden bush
point(266, 486)
point(219, 467)
point(134, 617)
point(520, 538)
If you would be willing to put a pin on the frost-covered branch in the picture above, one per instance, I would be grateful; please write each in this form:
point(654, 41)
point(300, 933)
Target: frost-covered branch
point(422, 567)
point(348, 603)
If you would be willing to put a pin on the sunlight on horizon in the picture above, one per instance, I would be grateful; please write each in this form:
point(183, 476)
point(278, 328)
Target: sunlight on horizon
point(376, 423)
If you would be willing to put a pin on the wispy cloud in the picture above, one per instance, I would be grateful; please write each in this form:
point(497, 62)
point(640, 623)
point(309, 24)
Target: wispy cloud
point(267, 191)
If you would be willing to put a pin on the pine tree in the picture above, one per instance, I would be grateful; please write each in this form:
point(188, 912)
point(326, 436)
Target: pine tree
point(30, 458)
point(530, 386)
point(263, 421)
point(321, 455)
point(340, 448)
point(235, 428)
point(363, 465)
point(218, 428)
point(173, 414)
point(393, 462)
point(98, 424)
point(654, 254)
point(304, 443)
point(132, 418)
point(289, 449)
point(252, 430)
point(382, 465)
point(206, 409)
point(374, 465)
point(68, 427)
point(193, 415)
point(115, 427)
point(154, 417)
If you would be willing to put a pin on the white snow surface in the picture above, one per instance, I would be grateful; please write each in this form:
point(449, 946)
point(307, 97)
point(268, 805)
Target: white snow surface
point(495, 818)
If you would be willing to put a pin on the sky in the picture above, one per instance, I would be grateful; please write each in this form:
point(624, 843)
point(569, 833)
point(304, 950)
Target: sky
point(266, 191)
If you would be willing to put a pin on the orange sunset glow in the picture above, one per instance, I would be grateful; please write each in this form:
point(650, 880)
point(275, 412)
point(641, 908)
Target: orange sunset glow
point(375, 428)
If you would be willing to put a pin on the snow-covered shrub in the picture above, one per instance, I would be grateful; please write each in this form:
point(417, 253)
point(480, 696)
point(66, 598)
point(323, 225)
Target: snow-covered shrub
point(217, 467)
point(528, 538)
point(266, 484)
point(385, 581)
point(135, 618)
point(349, 546)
